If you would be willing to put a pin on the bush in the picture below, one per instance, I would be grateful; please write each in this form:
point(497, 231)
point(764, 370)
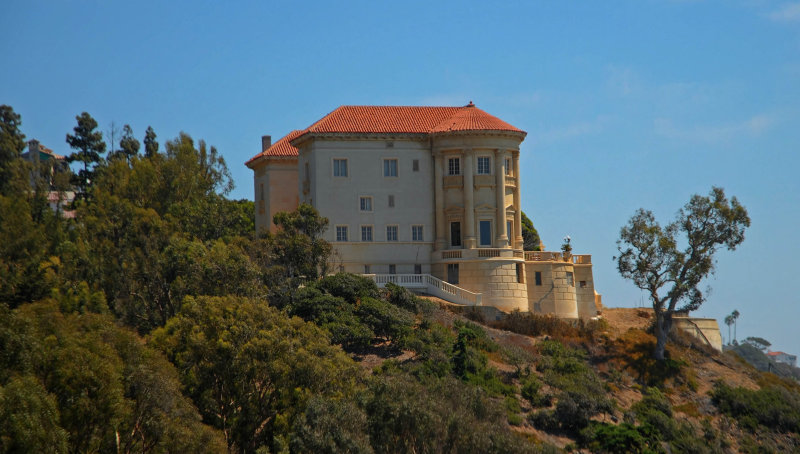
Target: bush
point(581, 392)
point(609, 438)
point(331, 426)
point(436, 415)
point(774, 408)
point(385, 320)
point(405, 299)
point(351, 287)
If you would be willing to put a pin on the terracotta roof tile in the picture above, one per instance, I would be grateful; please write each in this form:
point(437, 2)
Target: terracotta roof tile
point(281, 148)
point(470, 118)
point(393, 119)
point(408, 119)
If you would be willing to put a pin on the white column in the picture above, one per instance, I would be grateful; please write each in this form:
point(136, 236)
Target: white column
point(500, 183)
point(517, 205)
point(438, 192)
point(469, 202)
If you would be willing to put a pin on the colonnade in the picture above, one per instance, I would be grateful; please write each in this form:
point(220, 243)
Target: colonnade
point(467, 157)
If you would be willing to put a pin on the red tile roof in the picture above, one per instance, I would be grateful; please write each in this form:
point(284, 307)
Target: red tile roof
point(393, 119)
point(408, 119)
point(470, 118)
point(281, 148)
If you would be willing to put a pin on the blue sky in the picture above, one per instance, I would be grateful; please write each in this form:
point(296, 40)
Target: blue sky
point(627, 104)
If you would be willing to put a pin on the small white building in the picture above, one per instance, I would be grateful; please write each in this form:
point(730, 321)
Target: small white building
point(425, 196)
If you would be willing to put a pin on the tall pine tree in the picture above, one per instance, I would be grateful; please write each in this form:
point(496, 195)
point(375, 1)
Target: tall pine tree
point(150, 144)
point(89, 145)
point(12, 142)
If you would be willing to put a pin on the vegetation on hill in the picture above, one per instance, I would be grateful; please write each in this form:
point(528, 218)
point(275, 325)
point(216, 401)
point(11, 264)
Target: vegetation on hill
point(153, 321)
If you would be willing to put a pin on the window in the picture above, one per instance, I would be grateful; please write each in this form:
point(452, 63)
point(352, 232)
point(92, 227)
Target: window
point(508, 166)
point(415, 165)
point(340, 167)
point(486, 233)
point(483, 165)
point(417, 268)
point(455, 234)
point(508, 230)
point(583, 284)
point(391, 201)
point(341, 233)
point(570, 279)
point(538, 278)
point(452, 273)
point(366, 269)
point(366, 233)
point(391, 233)
point(365, 203)
point(390, 167)
point(417, 233)
point(392, 269)
point(520, 274)
point(454, 166)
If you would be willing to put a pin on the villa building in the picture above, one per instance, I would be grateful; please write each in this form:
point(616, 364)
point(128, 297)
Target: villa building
point(422, 196)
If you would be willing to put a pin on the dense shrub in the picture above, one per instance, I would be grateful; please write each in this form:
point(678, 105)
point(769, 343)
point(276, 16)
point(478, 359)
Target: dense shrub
point(331, 426)
point(773, 408)
point(351, 287)
point(384, 319)
point(608, 438)
point(581, 395)
point(405, 299)
point(437, 415)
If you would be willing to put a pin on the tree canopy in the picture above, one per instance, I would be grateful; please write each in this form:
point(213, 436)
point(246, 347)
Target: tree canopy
point(669, 263)
point(530, 237)
point(12, 142)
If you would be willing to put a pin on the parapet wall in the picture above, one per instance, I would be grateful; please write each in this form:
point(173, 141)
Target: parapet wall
point(704, 329)
point(496, 279)
point(551, 294)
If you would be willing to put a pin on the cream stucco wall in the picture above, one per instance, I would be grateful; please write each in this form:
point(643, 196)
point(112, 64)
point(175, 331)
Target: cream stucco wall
point(584, 291)
point(554, 295)
point(338, 199)
point(275, 180)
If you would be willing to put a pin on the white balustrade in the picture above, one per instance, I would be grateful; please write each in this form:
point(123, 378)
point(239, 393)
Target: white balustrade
point(431, 285)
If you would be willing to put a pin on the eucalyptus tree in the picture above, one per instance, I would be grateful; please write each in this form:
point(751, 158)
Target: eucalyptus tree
point(669, 263)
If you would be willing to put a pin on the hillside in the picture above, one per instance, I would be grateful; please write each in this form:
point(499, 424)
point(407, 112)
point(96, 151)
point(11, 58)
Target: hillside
point(681, 405)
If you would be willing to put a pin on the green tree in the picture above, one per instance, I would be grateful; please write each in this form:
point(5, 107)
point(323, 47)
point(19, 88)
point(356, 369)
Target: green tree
point(652, 257)
point(150, 144)
point(29, 418)
point(129, 146)
point(298, 247)
point(758, 342)
point(23, 249)
point(250, 369)
point(530, 237)
point(89, 145)
point(99, 383)
point(12, 142)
